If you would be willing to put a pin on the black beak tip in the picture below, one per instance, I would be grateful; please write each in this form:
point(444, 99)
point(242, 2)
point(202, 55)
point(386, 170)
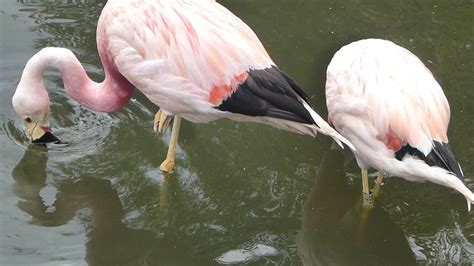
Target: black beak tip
point(48, 137)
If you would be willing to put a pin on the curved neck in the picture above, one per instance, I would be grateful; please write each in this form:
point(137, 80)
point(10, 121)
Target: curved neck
point(107, 96)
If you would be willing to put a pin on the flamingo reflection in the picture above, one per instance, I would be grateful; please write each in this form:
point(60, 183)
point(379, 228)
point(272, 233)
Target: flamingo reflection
point(109, 240)
point(337, 230)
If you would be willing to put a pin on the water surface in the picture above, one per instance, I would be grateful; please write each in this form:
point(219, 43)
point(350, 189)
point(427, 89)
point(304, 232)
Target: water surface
point(241, 192)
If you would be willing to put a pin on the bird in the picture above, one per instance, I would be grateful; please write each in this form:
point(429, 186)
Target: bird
point(388, 104)
point(192, 58)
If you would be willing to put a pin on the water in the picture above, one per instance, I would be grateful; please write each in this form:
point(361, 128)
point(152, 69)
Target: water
point(241, 192)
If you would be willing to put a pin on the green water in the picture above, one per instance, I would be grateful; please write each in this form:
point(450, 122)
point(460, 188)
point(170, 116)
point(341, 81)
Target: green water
point(102, 200)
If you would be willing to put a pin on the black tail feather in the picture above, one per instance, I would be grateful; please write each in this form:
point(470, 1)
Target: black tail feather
point(442, 156)
point(445, 154)
point(294, 86)
point(269, 92)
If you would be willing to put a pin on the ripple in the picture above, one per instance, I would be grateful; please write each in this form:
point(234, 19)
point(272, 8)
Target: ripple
point(82, 131)
point(238, 256)
point(85, 135)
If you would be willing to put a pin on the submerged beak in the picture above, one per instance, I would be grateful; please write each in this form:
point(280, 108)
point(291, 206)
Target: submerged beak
point(40, 135)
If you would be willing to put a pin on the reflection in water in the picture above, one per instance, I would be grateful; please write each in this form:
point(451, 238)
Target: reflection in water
point(338, 230)
point(110, 241)
point(66, 24)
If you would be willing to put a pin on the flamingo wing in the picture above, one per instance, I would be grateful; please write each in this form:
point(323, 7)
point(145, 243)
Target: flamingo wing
point(197, 59)
point(196, 56)
point(399, 97)
point(269, 92)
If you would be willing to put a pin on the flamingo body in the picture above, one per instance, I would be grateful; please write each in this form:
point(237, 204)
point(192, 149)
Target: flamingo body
point(185, 56)
point(197, 59)
point(385, 101)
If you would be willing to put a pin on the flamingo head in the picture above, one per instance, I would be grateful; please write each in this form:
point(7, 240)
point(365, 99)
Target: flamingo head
point(420, 171)
point(31, 103)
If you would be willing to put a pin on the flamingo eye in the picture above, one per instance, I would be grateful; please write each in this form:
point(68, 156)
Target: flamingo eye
point(28, 119)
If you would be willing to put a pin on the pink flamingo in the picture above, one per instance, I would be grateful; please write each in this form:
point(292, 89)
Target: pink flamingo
point(385, 101)
point(193, 59)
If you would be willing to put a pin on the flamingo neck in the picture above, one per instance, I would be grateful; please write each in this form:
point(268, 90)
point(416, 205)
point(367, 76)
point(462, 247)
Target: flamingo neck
point(107, 96)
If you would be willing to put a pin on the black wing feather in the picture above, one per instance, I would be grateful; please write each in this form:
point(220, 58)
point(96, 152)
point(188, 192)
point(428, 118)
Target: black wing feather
point(269, 92)
point(442, 156)
point(294, 86)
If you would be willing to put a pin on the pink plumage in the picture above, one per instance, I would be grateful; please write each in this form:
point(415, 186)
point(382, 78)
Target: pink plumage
point(192, 58)
point(178, 52)
point(385, 101)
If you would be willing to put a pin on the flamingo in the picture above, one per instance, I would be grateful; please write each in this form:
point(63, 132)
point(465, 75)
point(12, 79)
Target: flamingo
point(192, 58)
point(387, 103)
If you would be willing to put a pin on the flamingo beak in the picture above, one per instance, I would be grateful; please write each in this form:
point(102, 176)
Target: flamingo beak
point(40, 135)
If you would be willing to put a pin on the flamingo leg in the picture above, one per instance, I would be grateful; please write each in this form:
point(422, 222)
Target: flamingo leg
point(164, 196)
point(367, 199)
point(162, 121)
point(168, 164)
point(378, 183)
